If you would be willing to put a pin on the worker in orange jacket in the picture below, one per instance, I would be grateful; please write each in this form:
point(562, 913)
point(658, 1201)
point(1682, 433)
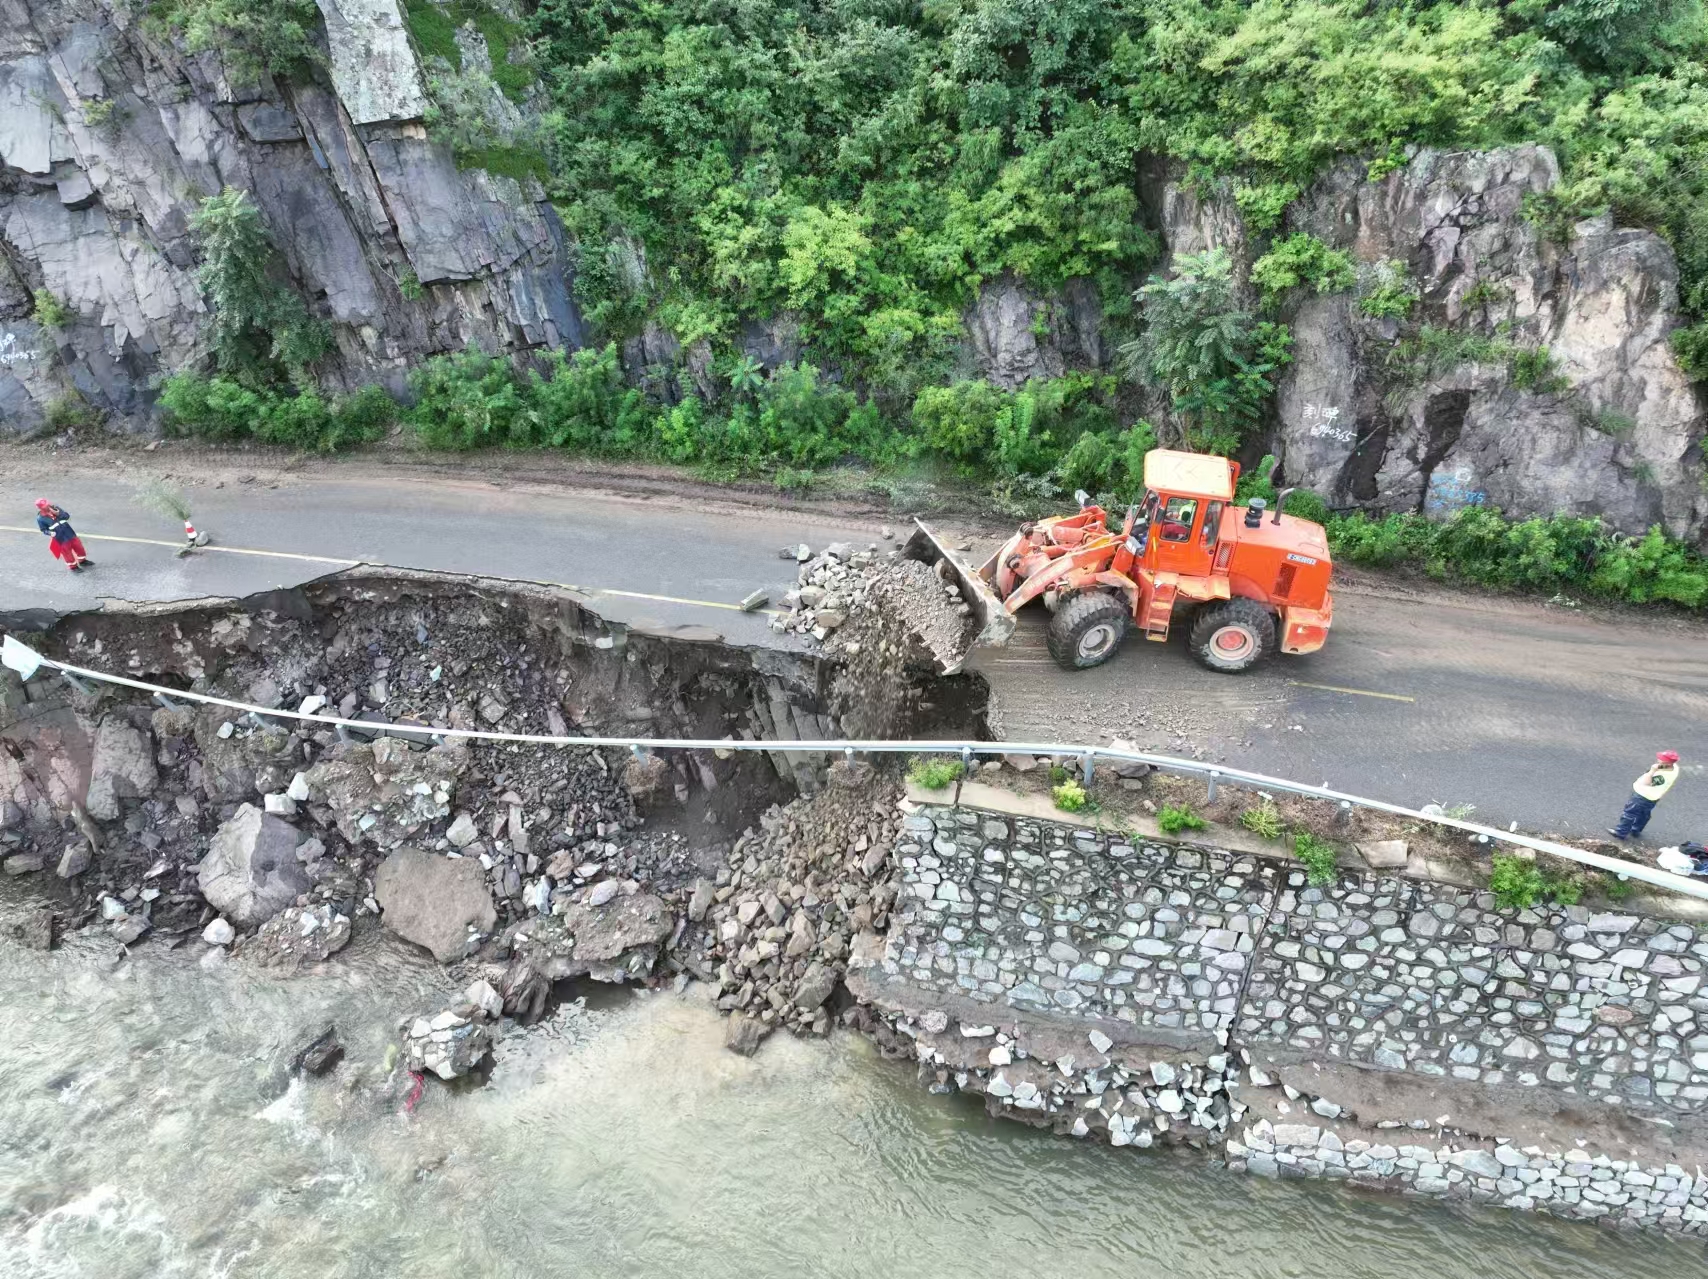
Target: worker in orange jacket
point(1646, 792)
point(55, 524)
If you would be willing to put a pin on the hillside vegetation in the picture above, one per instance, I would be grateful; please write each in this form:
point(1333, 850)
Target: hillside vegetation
point(865, 167)
point(866, 164)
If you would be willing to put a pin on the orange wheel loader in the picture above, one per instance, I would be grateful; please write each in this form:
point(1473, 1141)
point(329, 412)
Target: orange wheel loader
point(1244, 581)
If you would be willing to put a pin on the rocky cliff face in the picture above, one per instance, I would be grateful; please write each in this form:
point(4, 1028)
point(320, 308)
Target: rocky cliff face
point(1367, 419)
point(109, 139)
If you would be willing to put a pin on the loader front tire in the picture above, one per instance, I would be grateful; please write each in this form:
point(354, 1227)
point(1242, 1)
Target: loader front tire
point(1087, 629)
point(1232, 636)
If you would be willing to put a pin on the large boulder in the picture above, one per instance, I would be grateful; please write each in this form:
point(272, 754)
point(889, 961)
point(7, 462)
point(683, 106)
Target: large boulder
point(233, 753)
point(616, 941)
point(121, 766)
point(251, 871)
point(434, 901)
point(387, 794)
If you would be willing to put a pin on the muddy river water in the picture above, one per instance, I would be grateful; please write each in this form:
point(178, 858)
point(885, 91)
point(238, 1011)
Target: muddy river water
point(147, 1129)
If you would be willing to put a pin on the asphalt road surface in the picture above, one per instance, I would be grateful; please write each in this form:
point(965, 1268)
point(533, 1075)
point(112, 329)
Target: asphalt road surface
point(1534, 713)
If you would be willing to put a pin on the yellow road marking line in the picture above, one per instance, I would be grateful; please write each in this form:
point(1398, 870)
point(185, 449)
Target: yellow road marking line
point(1360, 692)
point(229, 550)
point(327, 559)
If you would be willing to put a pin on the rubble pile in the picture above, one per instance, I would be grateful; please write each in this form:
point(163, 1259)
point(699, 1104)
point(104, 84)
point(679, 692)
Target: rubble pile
point(773, 929)
point(194, 815)
point(454, 1040)
point(1087, 1087)
point(276, 842)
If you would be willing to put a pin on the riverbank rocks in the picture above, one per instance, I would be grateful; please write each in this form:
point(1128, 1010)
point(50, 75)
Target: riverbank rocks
point(616, 942)
point(251, 872)
point(121, 767)
point(386, 794)
point(233, 757)
point(298, 936)
point(448, 1044)
point(438, 902)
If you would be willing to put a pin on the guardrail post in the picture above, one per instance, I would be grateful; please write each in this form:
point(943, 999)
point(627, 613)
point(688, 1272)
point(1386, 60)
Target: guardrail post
point(165, 702)
point(1214, 775)
point(1344, 816)
point(1087, 763)
point(76, 683)
point(848, 753)
point(966, 759)
point(343, 732)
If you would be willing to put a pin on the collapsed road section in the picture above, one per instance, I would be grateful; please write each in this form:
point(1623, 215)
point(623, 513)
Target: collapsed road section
point(166, 821)
point(1399, 1034)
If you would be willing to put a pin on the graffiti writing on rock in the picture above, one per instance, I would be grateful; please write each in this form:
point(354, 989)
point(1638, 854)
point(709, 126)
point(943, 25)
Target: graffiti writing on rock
point(1320, 421)
point(11, 353)
point(1452, 491)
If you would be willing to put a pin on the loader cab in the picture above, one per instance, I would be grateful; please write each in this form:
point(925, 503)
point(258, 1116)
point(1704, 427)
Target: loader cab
point(1185, 495)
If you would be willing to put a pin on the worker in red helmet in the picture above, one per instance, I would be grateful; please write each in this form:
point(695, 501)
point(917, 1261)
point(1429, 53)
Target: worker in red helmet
point(55, 524)
point(1646, 792)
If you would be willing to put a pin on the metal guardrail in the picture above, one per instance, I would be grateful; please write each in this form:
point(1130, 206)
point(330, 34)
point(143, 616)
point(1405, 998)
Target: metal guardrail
point(27, 662)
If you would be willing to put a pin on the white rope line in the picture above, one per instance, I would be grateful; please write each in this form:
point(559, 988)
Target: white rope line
point(1215, 774)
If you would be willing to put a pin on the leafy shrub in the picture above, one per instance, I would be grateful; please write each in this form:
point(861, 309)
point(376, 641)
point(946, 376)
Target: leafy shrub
point(468, 400)
point(1171, 819)
point(1321, 863)
point(1261, 204)
point(583, 403)
point(1690, 345)
point(1615, 888)
point(1565, 890)
point(1264, 820)
point(1302, 260)
point(1516, 882)
point(253, 37)
point(1260, 482)
point(1390, 292)
point(934, 774)
point(70, 412)
point(1212, 358)
point(1534, 369)
point(1070, 796)
point(99, 114)
point(223, 409)
point(1549, 555)
point(49, 311)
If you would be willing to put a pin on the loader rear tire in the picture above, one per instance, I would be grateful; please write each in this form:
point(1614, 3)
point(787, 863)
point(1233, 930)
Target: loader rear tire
point(1087, 629)
point(1233, 636)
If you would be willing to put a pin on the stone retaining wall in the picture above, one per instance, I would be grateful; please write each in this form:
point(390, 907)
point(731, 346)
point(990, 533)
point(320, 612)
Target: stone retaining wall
point(1573, 1184)
point(1404, 975)
point(1143, 992)
point(1385, 972)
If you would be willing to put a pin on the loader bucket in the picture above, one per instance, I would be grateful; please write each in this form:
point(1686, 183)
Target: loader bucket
point(996, 624)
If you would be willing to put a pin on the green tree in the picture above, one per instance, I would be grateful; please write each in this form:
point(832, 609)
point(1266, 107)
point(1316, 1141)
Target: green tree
point(253, 37)
point(261, 325)
point(1213, 358)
